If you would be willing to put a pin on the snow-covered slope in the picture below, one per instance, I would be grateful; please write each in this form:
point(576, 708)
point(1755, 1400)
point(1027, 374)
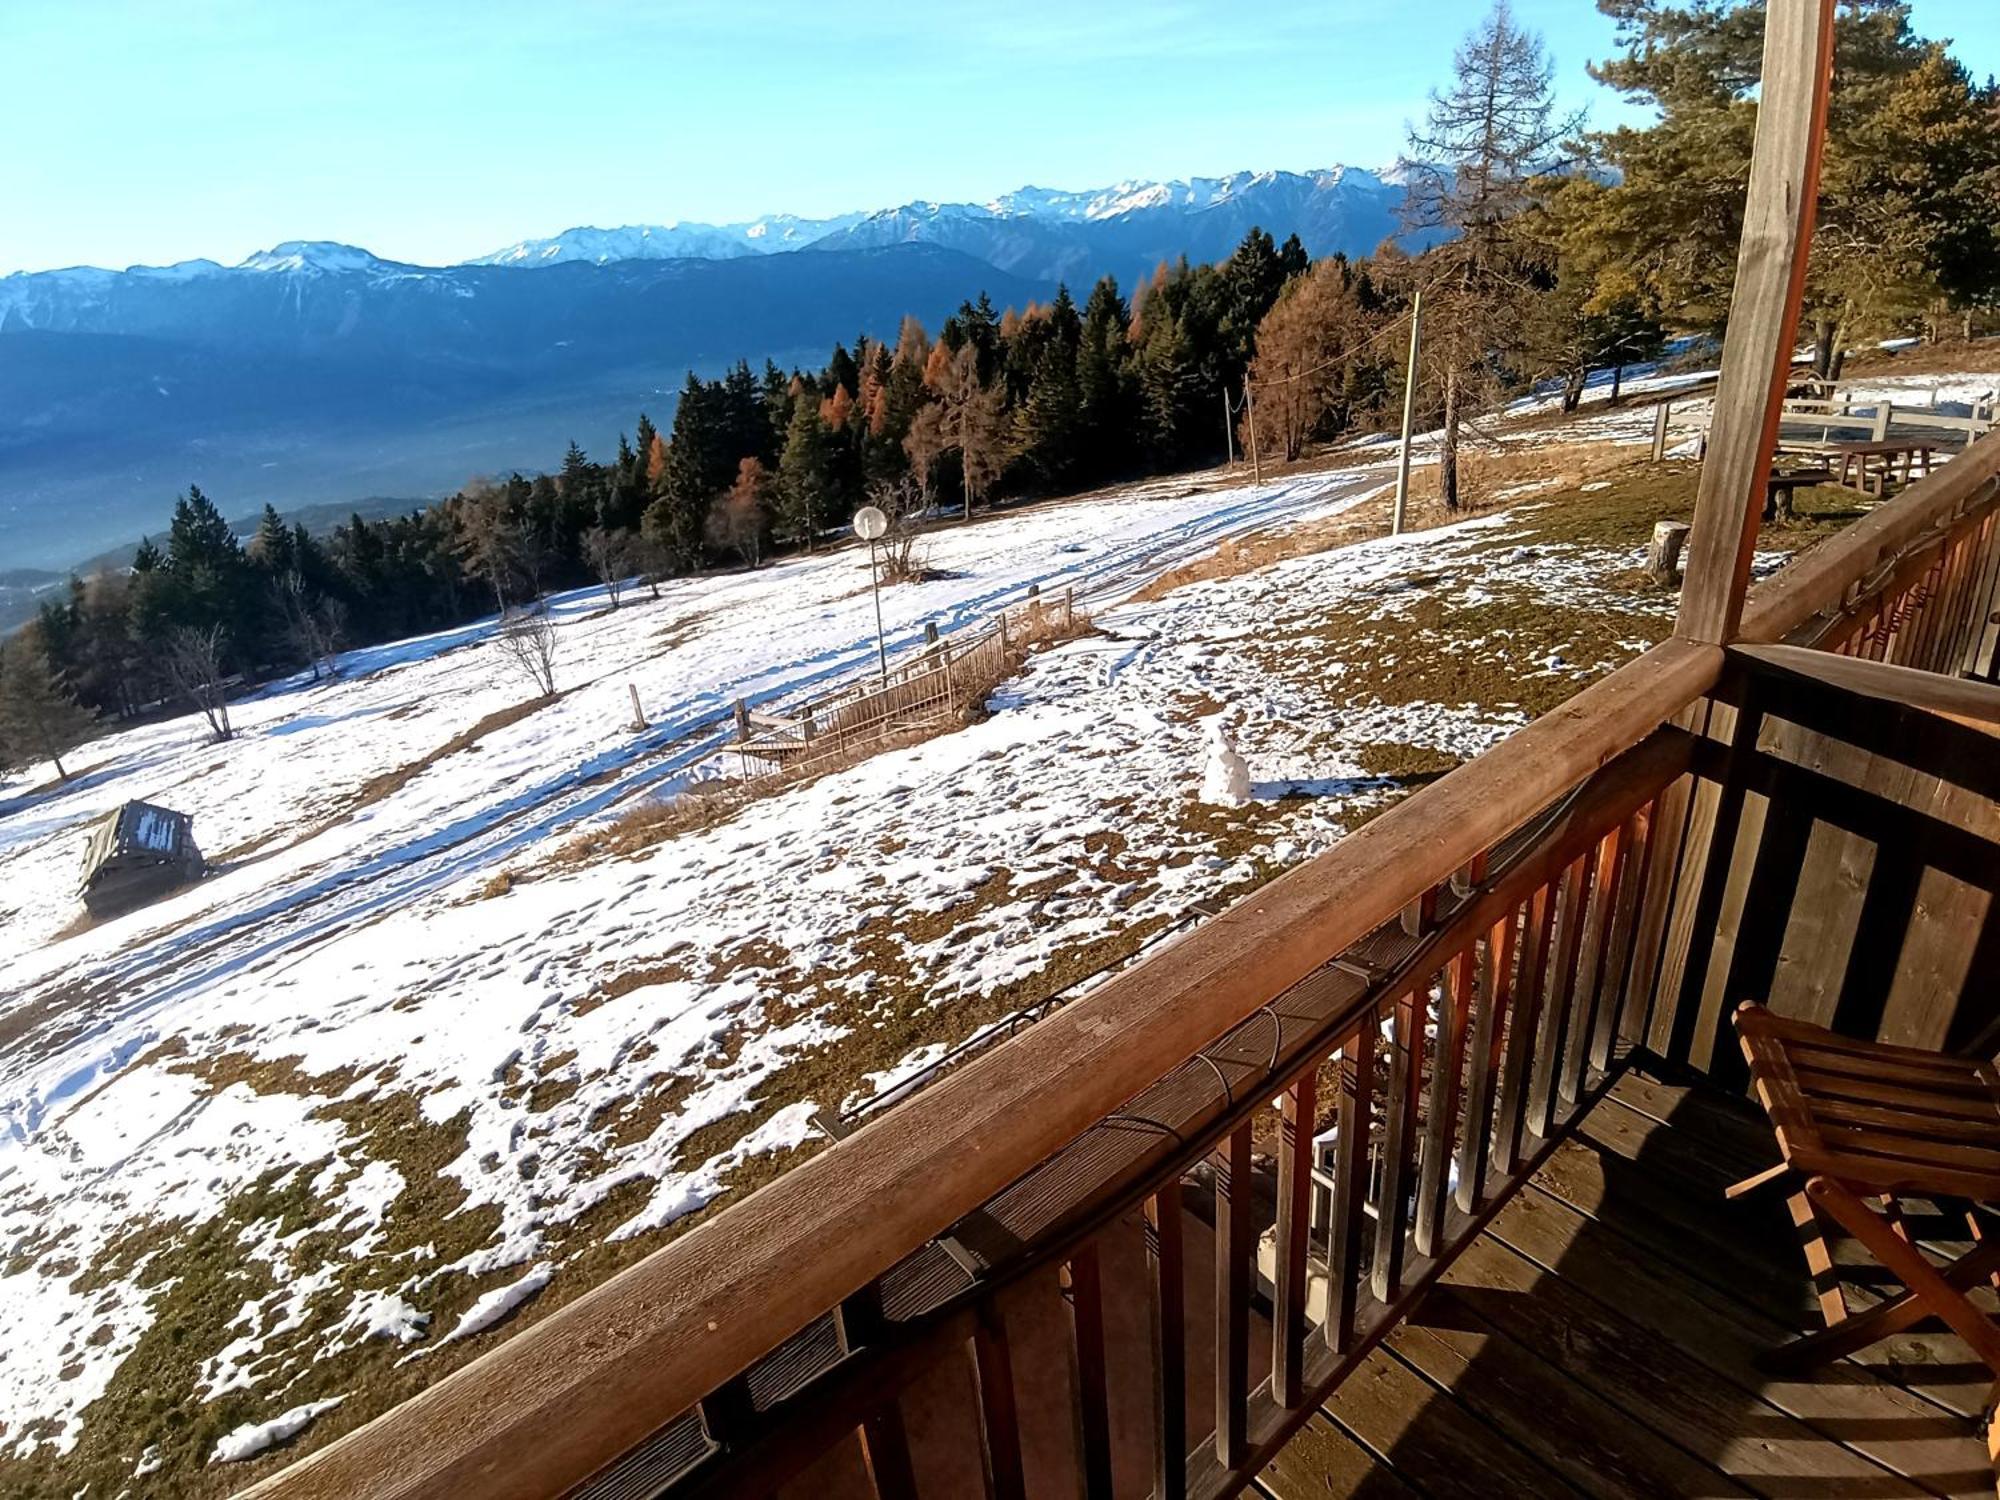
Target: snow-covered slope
point(178, 1065)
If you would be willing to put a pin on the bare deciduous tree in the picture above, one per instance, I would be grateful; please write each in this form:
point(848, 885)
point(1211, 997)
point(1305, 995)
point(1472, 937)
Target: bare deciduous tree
point(609, 553)
point(528, 639)
point(1472, 166)
point(193, 659)
point(487, 536)
point(316, 628)
point(904, 502)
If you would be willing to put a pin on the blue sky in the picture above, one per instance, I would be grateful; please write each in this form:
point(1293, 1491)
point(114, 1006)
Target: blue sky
point(154, 130)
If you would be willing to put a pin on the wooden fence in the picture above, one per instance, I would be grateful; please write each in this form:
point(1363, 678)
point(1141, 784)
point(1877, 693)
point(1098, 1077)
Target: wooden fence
point(930, 685)
point(1879, 418)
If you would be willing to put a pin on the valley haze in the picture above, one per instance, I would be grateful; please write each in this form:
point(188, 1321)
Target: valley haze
point(314, 372)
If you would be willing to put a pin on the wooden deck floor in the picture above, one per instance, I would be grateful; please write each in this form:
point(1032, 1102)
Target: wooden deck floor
point(1600, 1338)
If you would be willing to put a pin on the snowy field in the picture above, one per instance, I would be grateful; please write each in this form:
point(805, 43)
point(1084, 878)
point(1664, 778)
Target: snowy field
point(334, 991)
point(280, 1148)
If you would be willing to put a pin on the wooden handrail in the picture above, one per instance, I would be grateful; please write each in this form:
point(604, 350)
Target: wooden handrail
point(600, 1375)
point(1822, 579)
point(1974, 704)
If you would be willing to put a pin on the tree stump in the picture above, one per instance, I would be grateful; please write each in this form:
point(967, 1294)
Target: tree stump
point(1663, 556)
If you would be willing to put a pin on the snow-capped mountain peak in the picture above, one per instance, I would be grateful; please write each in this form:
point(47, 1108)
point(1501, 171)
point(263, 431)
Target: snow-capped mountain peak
point(1268, 197)
point(314, 256)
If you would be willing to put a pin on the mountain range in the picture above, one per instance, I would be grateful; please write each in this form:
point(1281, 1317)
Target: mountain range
point(314, 371)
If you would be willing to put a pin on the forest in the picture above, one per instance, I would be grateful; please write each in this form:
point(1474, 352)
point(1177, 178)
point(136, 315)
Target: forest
point(1559, 251)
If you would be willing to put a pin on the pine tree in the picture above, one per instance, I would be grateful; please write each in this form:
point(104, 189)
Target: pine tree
point(39, 717)
point(1105, 417)
point(804, 480)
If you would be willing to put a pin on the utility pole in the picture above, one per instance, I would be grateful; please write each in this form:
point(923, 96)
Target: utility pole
point(1250, 406)
point(1229, 432)
point(1409, 415)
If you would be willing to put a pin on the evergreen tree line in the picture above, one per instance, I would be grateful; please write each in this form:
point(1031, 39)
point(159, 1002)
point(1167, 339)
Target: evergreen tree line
point(998, 405)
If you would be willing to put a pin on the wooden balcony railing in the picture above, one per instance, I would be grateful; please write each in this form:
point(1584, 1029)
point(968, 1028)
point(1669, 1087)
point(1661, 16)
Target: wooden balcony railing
point(1128, 1250)
point(1400, 1029)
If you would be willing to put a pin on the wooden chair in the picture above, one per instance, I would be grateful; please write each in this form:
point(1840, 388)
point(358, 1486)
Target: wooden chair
point(1866, 1125)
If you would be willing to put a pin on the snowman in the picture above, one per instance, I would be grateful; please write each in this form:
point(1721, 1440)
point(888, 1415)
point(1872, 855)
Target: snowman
point(1225, 779)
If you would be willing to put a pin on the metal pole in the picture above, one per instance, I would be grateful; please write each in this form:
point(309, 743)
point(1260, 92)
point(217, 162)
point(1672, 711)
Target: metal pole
point(1409, 415)
point(875, 587)
point(1250, 406)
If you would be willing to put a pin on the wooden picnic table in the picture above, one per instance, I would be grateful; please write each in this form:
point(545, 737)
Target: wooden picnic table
point(1868, 464)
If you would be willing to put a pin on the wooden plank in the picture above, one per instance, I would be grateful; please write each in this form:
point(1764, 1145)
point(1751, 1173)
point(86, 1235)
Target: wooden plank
point(1000, 1430)
point(1399, 1135)
point(1608, 865)
point(1524, 1027)
point(1433, 1441)
point(1441, 1103)
point(1723, 1339)
point(1544, 1082)
point(1093, 1400)
point(885, 1450)
point(1346, 1278)
point(1561, 1422)
point(1763, 329)
point(1475, 1141)
point(1323, 1462)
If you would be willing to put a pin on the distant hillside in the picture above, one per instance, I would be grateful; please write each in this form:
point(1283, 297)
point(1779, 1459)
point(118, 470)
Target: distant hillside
point(317, 372)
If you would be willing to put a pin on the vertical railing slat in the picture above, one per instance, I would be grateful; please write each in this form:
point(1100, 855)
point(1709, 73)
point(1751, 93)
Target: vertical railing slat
point(1350, 1190)
point(885, 1450)
point(1523, 1028)
point(1169, 1308)
point(1000, 1425)
point(1615, 1004)
point(1607, 866)
point(1233, 1250)
point(1093, 1399)
point(1475, 1140)
point(1298, 1118)
point(1406, 1066)
point(1441, 1100)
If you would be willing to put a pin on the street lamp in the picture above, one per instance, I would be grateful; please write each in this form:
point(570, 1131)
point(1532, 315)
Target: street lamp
point(871, 525)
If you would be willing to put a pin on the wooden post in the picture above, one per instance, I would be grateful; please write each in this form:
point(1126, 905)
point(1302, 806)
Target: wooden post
point(1770, 281)
point(1660, 430)
point(742, 721)
point(930, 632)
point(639, 714)
point(1409, 412)
point(1229, 431)
point(1250, 406)
point(1884, 412)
